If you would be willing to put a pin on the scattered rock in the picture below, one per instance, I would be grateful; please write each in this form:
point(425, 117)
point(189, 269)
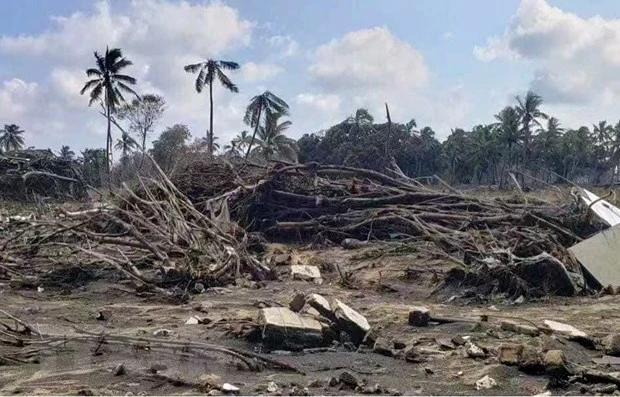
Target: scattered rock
point(529, 330)
point(444, 343)
point(394, 392)
point(474, 351)
point(85, 392)
point(193, 320)
point(306, 273)
point(199, 288)
point(612, 345)
point(281, 259)
point(209, 381)
point(272, 387)
point(230, 389)
point(419, 316)
point(280, 325)
point(333, 382)
point(428, 371)
point(510, 353)
point(157, 367)
point(349, 379)
point(411, 354)
point(382, 347)
point(519, 300)
point(317, 383)
point(508, 325)
point(399, 344)
point(351, 321)
point(162, 333)
point(485, 382)
point(321, 305)
point(458, 340)
point(119, 370)
point(297, 302)
point(531, 361)
point(352, 243)
point(556, 365)
point(370, 338)
point(215, 392)
point(102, 315)
point(375, 389)
point(564, 329)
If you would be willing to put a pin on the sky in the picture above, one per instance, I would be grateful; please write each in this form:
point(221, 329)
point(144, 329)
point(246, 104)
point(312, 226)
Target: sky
point(446, 63)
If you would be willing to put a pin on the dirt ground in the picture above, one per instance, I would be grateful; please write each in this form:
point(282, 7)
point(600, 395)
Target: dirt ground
point(384, 288)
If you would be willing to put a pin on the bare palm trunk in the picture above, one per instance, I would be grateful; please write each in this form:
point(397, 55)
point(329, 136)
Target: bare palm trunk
point(108, 138)
point(254, 134)
point(210, 137)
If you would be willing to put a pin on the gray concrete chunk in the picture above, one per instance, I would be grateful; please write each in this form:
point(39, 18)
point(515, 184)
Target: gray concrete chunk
point(351, 321)
point(306, 272)
point(281, 326)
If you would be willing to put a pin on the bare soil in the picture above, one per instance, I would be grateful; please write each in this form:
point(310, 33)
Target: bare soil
point(383, 289)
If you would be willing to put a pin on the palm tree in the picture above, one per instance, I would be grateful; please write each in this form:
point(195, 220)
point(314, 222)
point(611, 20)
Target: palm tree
point(207, 71)
point(529, 113)
point(108, 86)
point(508, 128)
point(272, 142)
point(126, 144)
point(264, 103)
point(240, 141)
point(66, 153)
point(11, 138)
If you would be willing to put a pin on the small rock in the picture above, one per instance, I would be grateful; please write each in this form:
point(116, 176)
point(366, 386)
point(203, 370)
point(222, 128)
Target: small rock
point(199, 288)
point(564, 328)
point(209, 381)
point(353, 322)
point(375, 389)
point(530, 361)
point(298, 301)
point(321, 305)
point(157, 367)
point(428, 371)
point(607, 389)
point(193, 320)
point(474, 351)
point(519, 300)
point(410, 354)
point(556, 365)
point(306, 273)
point(509, 326)
point(101, 316)
point(40, 289)
point(349, 379)
point(444, 343)
point(529, 330)
point(281, 259)
point(85, 392)
point(215, 392)
point(162, 333)
point(419, 316)
point(119, 370)
point(394, 392)
point(333, 382)
point(509, 353)
point(272, 387)
point(230, 389)
point(382, 347)
point(399, 344)
point(485, 383)
point(458, 340)
point(612, 345)
point(371, 338)
point(352, 243)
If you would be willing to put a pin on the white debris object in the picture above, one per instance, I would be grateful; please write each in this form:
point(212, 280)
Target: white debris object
point(605, 210)
point(485, 383)
point(193, 320)
point(306, 272)
point(228, 388)
point(564, 329)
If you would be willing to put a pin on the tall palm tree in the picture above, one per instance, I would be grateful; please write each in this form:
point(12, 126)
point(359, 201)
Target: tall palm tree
point(529, 112)
point(207, 71)
point(126, 144)
point(603, 134)
point(11, 138)
point(240, 141)
point(108, 86)
point(272, 142)
point(259, 106)
point(66, 153)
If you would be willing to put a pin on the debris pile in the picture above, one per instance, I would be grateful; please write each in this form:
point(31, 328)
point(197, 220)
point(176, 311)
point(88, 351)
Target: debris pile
point(159, 240)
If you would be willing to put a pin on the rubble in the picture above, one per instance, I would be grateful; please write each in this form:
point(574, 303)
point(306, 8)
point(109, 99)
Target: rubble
point(351, 321)
point(510, 353)
point(474, 351)
point(321, 305)
point(350, 379)
point(599, 257)
point(298, 301)
point(382, 347)
point(119, 370)
point(612, 345)
point(564, 329)
point(419, 316)
point(512, 326)
point(307, 273)
point(556, 365)
point(280, 326)
point(485, 383)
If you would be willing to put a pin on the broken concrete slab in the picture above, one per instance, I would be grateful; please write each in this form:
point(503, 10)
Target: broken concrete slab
point(565, 329)
point(474, 351)
point(307, 273)
point(281, 325)
point(599, 256)
point(512, 326)
point(612, 345)
point(351, 321)
point(297, 302)
point(419, 316)
point(382, 346)
point(321, 305)
point(509, 353)
point(485, 382)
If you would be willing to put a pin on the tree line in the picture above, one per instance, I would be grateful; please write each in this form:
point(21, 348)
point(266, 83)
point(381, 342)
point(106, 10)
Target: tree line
point(523, 140)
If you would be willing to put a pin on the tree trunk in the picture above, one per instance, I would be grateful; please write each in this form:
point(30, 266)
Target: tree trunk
point(108, 137)
point(210, 137)
point(247, 154)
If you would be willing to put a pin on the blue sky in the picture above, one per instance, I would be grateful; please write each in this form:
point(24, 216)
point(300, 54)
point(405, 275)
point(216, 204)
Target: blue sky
point(446, 63)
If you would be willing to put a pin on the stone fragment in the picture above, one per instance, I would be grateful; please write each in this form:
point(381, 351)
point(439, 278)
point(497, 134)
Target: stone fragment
point(564, 329)
point(382, 347)
point(306, 272)
point(509, 353)
point(297, 302)
point(508, 325)
point(230, 389)
point(321, 305)
point(528, 330)
point(419, 316)
point(531, 361)
point(193, 320)
point(399, 344)
point(119, 370)
point(350, 379)
point(474, 351)
point(162, 333)
point(458, 340)
point(612, 345)
point(351, 321)
point(485, 382)
point(411, 354)
point(556, 365)
point(280, 326)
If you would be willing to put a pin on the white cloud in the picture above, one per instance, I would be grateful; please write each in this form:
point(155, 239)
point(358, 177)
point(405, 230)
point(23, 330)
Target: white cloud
point(576, 59)
point(323, 102)
point(369, 58)
point(448, 35)
point(16, 97)
point(159, 36)
point(286, 44)
point(254, 72)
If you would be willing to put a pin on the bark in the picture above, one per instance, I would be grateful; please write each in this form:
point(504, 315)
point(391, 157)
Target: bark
point(247, 154)
point(210, 137)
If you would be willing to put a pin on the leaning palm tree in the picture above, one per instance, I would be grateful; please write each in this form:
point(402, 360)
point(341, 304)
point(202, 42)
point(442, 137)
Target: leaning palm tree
point(207, 71)
point(11, 138)
point(66, 153)
point(272, 142)
point(259, 106)
point(108, 86)
point(126, 144)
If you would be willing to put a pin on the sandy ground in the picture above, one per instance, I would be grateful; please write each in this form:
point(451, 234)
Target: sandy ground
point(383, 292)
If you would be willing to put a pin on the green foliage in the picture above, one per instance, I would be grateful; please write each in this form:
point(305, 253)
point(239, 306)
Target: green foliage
point(93, 166)
point(66, 153)
point(11, 138)
point(271, 143)
point(170, 146)
point(258, 109)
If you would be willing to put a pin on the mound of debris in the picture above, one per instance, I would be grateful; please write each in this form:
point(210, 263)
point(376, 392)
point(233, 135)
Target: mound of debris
point(518, 247)
point(26, 173)
point(160, 241)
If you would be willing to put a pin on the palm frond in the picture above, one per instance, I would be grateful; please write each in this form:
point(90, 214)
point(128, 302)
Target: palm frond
point(124, 78)
point(194, 67)
point(93, 72)
point(89, 84)
point(228, 65)
point(200, 80)
point(120, 64)
point(95, 94)
point(127, 89)
point(229, 85)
